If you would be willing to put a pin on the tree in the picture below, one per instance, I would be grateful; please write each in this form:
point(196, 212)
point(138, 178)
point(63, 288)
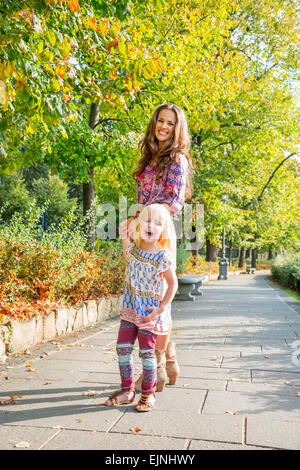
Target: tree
point(64, 62)
point(228, 64)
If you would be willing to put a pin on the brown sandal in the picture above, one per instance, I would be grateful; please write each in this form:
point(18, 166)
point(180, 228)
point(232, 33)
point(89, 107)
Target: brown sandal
point(115, 396)
point(145, 400)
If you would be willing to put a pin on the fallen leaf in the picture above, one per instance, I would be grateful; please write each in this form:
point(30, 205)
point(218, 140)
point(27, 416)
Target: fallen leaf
point(286, 382)
point(79, 420)
point(135, 430)
point(22, 445)
point(230, 412)
point(12, 399)
point(89, 393)
point(267, 357)
point(176, 332)
point(48, 383)
point(30, 369)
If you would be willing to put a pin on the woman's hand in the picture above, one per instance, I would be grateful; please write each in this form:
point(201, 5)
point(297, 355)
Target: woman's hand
point(131, 224)
point(127, 228)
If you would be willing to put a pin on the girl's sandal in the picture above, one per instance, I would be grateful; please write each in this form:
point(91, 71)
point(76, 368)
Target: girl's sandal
point(114, 398)
point(146, 402)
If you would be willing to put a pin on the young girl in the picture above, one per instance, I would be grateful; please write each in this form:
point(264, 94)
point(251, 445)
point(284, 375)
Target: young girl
point(163, 177)
point(150, 285)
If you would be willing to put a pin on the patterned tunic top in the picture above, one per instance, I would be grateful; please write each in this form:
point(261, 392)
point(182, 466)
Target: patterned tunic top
point(144, 288)
point(171, 188)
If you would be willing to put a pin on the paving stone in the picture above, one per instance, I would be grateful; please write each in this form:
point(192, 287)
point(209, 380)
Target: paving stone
point(265, 404)
point(183, 424)
point(278, 434)
point(209, 445)
point(77, 440)
point(276, 377)
point(31, 436)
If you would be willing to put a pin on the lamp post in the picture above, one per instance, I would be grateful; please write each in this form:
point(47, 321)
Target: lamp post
point(223, 265)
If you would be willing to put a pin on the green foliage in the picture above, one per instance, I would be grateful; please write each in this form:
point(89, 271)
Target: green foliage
point(286, 270)
point(182, 258)
point(14, 196)
point(54, 192)
point(39, 271)
point(49, 192)
point(230, 65)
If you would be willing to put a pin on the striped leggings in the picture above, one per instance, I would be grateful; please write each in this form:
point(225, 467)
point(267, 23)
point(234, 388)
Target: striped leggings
point(128, 332)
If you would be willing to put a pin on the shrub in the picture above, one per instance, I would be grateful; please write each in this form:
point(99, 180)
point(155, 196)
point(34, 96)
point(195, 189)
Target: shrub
point(41, 270)
point(198, 265)
point(14, 196)
point(286, 270)
point(182, 258)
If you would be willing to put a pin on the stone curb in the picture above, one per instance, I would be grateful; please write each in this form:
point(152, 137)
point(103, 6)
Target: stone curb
point(16, 336)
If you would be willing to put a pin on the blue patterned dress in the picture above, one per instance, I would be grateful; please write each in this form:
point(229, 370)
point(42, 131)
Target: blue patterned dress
point(145, 287)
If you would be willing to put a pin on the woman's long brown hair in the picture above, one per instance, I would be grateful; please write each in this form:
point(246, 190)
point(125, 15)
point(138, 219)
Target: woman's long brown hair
point(179, 143)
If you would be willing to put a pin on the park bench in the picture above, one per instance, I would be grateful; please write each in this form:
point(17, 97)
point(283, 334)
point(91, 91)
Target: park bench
point(189, 287)
point(250, 270)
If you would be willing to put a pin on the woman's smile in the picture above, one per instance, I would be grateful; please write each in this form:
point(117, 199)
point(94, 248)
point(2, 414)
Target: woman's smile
point(165, 125)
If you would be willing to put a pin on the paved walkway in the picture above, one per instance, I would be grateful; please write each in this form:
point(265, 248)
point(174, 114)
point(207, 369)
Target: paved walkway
point(239, 386)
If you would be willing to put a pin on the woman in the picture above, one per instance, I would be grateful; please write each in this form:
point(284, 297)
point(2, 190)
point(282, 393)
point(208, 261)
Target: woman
point(163, 177)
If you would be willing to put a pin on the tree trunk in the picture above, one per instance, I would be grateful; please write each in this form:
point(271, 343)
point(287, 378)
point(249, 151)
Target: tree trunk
point(88, 188)
point(230, 253)
point(253, 258)
point(242, 257)
point(211, 251)
point(247, 253)
point(270, 254)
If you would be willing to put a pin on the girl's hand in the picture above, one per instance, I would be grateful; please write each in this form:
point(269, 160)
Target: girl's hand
point(154, 314)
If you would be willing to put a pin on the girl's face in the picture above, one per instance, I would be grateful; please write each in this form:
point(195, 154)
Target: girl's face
point(165, 125)
point(151, 228)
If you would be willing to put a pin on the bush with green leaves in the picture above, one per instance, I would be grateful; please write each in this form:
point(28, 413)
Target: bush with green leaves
point(40, 270)
point(286, 270)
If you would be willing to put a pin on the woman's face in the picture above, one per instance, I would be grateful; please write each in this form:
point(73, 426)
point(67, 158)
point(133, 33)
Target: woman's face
point(165, 126)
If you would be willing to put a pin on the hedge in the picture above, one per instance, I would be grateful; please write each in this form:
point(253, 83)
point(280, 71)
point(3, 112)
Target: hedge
point(286, 271)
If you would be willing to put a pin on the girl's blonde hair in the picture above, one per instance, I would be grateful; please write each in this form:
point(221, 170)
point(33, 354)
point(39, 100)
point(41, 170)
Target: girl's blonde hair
point(179, 143)
point(160, 211)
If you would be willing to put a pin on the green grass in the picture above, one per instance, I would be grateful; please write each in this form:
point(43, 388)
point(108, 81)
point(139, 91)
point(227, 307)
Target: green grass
point(293, 294)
